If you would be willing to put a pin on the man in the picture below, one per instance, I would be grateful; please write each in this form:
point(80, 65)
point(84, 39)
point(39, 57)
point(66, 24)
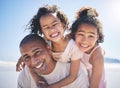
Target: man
point(37, 57)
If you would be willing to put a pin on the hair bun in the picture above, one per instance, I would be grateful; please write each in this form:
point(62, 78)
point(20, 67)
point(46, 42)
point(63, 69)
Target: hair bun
point(86, 12)
point(91, 12)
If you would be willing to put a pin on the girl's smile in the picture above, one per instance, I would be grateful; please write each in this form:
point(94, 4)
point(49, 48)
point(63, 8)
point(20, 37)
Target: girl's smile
point(52, 27)
point(86, 37)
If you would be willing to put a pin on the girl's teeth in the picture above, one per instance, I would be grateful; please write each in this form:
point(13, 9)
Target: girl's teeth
point(84, 45)
point(54, 35)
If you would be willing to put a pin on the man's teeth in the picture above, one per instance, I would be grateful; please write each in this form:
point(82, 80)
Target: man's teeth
point(40, 65)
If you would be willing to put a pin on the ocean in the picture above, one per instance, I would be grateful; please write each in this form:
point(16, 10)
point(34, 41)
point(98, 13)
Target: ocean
point(112, 72)
point(8, 75)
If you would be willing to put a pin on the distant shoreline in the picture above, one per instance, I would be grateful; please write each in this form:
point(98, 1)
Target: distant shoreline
point(107, 60)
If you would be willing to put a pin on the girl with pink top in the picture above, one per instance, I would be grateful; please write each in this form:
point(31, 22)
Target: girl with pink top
point(87, 33)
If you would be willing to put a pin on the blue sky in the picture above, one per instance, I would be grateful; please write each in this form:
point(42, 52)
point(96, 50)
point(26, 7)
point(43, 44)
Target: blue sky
point(15, 15)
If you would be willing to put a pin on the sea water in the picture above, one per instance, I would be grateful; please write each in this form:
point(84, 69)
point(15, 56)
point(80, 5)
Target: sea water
point(112, 72)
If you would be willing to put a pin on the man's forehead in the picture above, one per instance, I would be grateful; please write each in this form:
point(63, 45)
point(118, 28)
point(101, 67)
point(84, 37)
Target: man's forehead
point(32, 46)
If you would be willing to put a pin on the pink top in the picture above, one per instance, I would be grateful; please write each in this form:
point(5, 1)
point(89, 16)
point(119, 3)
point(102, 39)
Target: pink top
point(85, 61)
point(71, 53)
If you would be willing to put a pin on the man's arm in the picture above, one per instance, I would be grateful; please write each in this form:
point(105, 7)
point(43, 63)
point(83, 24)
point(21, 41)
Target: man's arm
point(25, 80)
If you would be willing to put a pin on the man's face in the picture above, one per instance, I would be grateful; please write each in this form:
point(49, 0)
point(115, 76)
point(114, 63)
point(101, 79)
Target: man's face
point(36, 57)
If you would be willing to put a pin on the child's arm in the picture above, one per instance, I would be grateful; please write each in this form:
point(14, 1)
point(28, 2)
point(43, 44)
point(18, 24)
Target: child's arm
point(39, 80)
point(20, 64)
point(73, 73)
point(97, 61)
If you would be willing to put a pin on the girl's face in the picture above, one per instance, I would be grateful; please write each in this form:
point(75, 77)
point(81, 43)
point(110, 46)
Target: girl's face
point(86, 37)
point(52, 27)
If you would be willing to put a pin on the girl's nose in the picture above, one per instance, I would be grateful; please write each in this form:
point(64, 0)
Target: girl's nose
point(84, 39)
point(52, 28)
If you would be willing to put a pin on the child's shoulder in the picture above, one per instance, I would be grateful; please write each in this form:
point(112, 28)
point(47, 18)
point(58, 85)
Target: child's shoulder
point(98, 52)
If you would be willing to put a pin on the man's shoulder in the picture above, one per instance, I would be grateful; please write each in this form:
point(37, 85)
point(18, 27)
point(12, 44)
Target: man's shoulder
point(63, 64)
point(23, 75)
point(25, 80)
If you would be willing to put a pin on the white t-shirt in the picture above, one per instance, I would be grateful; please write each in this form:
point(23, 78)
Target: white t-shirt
point(25, 79)
point(60, 71)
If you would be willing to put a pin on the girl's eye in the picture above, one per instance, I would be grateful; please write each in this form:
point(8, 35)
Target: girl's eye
point(46, 28)
point(80, 34)
point(91, 36)
point(55, 24)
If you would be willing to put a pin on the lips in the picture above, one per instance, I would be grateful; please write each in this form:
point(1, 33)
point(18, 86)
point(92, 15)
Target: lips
point(40, 65)
point(55, 35)
point(84, 46)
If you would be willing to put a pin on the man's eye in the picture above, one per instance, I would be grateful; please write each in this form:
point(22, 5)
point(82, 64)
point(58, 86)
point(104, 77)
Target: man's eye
point(55, 24)
point(26, 59)
point(38, 53)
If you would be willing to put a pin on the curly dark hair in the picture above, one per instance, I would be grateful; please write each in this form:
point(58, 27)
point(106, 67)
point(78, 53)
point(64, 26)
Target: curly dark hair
point(34, 25)
point(87, 15)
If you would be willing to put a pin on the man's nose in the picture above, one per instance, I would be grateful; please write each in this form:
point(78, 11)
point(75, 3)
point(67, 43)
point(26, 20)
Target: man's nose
point(34, 60)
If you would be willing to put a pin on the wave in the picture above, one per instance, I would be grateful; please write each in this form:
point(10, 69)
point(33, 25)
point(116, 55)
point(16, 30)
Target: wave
point(7, 63)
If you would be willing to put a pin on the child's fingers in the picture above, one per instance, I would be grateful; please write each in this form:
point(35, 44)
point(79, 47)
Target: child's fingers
point(20, 64)
point(18, 68)
point(42, 82)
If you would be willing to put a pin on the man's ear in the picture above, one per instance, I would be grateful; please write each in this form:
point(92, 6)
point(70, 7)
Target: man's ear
point(48, 47)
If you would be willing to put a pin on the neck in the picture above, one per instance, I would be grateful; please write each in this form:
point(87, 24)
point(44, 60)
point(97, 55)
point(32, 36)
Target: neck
point(60, 45)
point(51, 67)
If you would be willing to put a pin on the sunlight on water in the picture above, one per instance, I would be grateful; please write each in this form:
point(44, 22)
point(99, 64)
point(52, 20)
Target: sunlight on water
point(112, 72)
point(6, 63)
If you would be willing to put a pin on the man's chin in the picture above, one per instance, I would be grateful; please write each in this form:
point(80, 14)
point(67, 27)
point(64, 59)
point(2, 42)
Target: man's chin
point(40, 71)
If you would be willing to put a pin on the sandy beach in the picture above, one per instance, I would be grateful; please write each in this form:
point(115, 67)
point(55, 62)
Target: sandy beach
point(8, 75)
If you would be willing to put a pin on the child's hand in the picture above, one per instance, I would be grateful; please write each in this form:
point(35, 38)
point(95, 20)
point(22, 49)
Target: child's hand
point(47, 86)
point(39, 80)
point(20, 64)
point(43, 84)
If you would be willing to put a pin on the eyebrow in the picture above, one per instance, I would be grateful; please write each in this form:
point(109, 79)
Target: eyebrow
point(88, 32)
point(36, 49)
point(52, 22)
point(32, 51)
point(24, 55)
